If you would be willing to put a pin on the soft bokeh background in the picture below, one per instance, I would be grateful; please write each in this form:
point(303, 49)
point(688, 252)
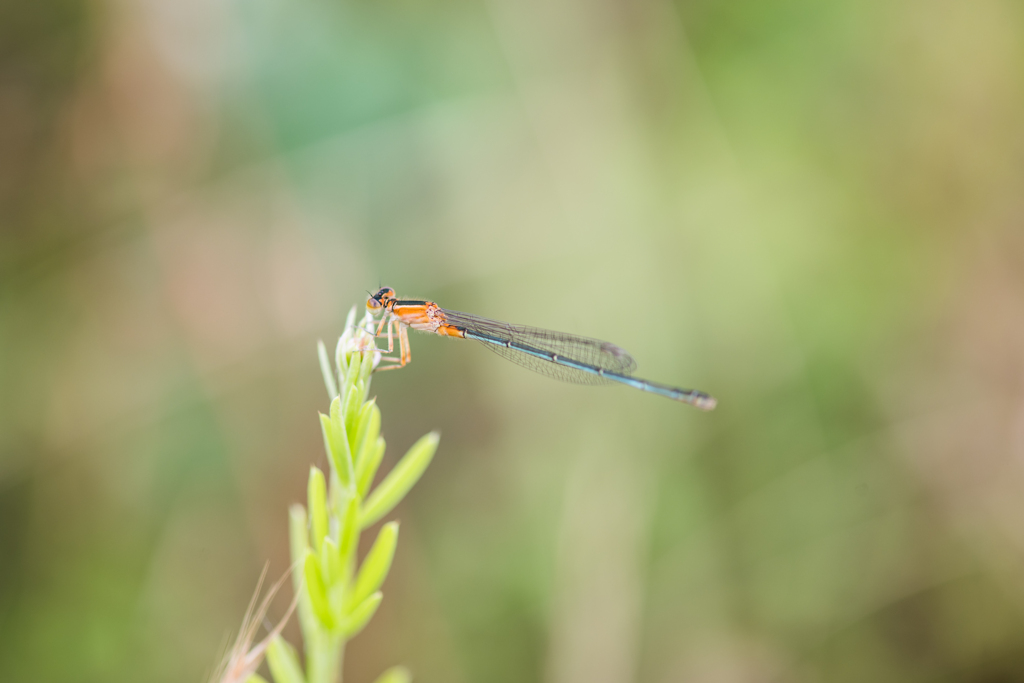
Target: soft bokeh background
point(813, 210)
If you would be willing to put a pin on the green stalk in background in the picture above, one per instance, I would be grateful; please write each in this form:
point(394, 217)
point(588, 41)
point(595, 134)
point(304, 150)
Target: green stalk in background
point(336, 595)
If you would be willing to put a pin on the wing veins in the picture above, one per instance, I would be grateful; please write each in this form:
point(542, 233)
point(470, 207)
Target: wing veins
point(593, 352)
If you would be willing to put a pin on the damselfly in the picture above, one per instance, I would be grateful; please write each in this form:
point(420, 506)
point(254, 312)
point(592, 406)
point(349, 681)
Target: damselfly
point(556, 354)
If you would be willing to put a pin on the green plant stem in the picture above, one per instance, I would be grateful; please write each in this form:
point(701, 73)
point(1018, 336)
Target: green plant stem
point(336, 595)
point(324, 659)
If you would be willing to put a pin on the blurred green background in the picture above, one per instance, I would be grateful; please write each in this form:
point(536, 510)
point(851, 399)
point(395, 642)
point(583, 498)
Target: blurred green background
point(812, 210)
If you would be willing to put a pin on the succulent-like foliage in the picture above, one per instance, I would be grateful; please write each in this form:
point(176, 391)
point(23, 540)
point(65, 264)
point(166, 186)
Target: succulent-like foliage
point(336, 595)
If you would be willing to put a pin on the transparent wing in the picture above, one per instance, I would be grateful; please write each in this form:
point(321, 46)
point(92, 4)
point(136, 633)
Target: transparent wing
point(593, 353)
point(563, 373)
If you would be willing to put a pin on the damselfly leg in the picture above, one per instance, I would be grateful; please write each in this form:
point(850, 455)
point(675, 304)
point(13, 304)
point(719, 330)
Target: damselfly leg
point(395, 328)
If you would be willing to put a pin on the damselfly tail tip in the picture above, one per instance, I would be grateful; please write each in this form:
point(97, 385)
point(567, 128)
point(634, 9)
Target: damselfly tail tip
point(704, 402)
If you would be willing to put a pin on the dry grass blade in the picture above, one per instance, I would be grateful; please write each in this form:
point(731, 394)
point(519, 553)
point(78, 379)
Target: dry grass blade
point(244, 657)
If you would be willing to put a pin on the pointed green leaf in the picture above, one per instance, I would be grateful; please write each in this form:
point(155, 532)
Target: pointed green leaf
point(377, 563)
point(298, 532)
point(368, 422)
point(366, 367)
point(361, 615)
point(298, 535)
point(339, 351)
point(330, 446)
point(317, 499)
point(350, 321)
point(284, 662)
point(336, 412)
point(364, 412)
point(399, 480)
point(367, 431)
point(351, 374)
point(396, 674)
point(349, 533)
point(328, 432)
point(330, 562)
point(366, 370)
point(337, 439)
point(353, 401)
point(366, 470)
point(325, 369)
point(336, 494)
point(317, 591)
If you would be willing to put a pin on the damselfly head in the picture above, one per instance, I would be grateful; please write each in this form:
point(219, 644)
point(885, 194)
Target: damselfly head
point(380, 299)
